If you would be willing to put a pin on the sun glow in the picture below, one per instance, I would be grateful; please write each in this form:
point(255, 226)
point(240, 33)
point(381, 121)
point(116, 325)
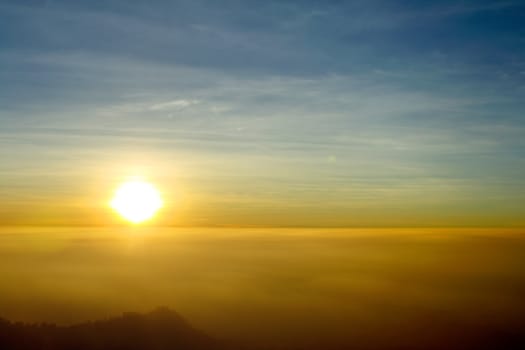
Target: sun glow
point(136, 201)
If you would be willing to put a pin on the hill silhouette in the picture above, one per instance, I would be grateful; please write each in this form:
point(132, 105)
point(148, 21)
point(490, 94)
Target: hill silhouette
point(158, 330)
point(164, 329)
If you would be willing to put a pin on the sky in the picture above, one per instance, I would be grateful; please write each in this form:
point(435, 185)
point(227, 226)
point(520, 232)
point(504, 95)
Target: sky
point(265, 113)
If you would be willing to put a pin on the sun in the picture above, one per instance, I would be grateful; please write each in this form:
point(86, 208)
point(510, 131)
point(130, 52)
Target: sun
point(136, 201)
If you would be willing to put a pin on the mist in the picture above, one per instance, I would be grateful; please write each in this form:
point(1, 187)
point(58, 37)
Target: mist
point(272, 286)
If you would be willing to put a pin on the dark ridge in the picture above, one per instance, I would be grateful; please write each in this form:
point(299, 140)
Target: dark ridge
point(159, 329)
point(164, 329)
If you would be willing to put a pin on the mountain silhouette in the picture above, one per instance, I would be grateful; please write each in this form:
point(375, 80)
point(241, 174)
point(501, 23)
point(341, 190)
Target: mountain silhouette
point(164, 329)
point(158, 330)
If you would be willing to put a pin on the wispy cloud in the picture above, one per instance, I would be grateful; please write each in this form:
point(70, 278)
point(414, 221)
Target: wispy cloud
point(174, 105)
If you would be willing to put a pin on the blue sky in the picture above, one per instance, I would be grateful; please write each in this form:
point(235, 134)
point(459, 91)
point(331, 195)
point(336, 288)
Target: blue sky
point(329, 113)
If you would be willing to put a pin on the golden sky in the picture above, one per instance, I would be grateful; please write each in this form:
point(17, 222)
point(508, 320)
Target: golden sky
point(247, 190)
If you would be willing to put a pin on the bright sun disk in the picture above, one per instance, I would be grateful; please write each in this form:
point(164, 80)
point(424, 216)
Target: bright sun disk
point(136, 201)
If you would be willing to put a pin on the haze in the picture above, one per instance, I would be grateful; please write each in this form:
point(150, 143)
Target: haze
point(271, 286)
